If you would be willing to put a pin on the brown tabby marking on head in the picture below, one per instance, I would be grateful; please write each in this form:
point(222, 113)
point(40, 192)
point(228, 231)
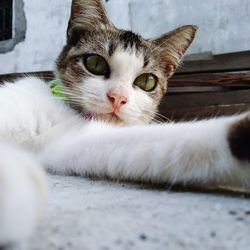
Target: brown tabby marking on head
point(239, 139)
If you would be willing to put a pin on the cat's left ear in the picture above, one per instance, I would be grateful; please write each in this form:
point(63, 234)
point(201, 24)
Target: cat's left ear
point(86, 15)
point(172, 46)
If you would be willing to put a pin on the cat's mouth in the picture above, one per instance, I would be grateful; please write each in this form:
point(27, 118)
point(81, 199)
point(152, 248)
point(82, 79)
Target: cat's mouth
point(108, 117)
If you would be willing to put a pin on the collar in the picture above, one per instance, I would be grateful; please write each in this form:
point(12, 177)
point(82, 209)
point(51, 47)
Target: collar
point(57, 89)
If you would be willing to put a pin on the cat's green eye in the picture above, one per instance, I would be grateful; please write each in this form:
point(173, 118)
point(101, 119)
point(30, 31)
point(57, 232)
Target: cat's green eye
point(96, 64)
point(146, 82)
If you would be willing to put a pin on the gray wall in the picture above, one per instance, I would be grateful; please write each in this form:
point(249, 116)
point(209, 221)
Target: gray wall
point(224, 26)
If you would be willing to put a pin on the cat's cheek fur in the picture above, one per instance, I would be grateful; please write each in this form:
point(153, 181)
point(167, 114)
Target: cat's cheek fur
point(23, 194)
point(143, 107)
point(94, 95)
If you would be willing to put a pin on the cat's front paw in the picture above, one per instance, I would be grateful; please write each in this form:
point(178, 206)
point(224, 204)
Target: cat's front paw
point(239, 138)
point(23, 193)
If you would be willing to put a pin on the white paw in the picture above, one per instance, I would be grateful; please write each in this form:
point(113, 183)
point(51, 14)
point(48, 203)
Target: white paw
point(23, 193)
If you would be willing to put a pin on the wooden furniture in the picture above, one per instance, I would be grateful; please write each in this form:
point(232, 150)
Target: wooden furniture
point(214, 86)
point(218, 85)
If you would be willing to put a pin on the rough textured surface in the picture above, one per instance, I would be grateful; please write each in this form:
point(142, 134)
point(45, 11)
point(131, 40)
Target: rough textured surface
point(223, 27)
point(86, 214)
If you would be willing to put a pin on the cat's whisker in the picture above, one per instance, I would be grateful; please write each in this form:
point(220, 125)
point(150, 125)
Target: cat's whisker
point(141, 115)
point(69, 98)
point(163, 117)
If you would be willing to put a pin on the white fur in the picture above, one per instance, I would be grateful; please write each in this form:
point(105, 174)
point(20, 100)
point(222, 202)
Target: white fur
point(65, 143)
point(195, 152)
point(28, 109)
point(22, 194)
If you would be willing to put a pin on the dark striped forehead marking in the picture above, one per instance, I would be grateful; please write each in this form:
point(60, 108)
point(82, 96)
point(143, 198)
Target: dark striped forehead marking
point(130, 39)
point(146, 60)
point(112, 48)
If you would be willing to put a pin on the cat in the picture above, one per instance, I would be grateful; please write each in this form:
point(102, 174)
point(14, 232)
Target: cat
point(111, 82)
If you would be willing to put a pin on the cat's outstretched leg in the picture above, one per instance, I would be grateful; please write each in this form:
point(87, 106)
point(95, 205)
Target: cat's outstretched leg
point(212, 151)
point(23, 192)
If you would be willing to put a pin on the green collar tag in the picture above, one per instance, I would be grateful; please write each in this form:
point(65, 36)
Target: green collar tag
point(56, 88)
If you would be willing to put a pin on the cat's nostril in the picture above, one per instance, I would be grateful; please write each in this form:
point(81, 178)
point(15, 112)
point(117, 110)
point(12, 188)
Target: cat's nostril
point(112, 99)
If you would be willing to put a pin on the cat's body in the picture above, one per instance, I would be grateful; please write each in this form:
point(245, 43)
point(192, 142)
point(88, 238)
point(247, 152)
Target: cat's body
point(104, 131)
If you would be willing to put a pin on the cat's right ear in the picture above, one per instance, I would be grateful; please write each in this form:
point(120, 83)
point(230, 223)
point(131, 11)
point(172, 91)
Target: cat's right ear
point(85, 15)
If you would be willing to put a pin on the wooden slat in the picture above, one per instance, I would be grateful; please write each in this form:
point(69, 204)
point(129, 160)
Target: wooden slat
point(202, 105)
point(223, 62)
point(223, 79)
point(205, 99)
point(194, 89)
point(197, 113)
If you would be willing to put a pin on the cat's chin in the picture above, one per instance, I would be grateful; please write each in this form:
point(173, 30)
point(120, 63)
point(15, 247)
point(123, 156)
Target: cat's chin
point(111, 117)
point(108, 117)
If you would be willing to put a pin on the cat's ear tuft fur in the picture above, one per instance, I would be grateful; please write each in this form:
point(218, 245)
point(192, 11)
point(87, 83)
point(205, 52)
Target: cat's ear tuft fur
point(172, 46)
point(86, 15)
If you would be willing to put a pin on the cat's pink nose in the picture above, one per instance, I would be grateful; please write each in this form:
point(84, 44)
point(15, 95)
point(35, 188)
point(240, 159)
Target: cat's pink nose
point(117, 100)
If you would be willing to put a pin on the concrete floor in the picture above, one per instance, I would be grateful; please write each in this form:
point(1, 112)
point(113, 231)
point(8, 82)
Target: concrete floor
point(85, 214)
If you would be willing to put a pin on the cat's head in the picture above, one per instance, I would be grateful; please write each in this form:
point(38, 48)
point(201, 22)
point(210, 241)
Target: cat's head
point(116, 75)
